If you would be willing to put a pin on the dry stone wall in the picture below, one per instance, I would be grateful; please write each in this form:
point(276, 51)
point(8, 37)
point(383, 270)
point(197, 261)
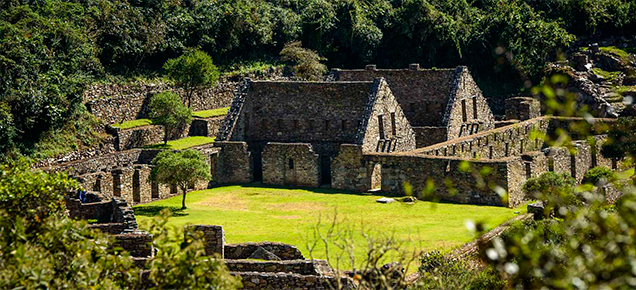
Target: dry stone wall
point(114, 103)
point(522, 108)
point(427, 136)
point(467, 111)
point(422, 94)
point(293, 164)
point(280, 281)
point(303, 267)
point(245, 250)
point(232, 163)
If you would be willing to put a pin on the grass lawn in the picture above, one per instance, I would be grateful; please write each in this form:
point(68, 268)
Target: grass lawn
point(183, 143)
point(253, 213)
point(133, 124)
point(211, 113)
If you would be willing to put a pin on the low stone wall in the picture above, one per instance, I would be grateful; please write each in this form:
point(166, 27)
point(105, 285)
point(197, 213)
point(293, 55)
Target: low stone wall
point(522, 108)
point(303, 267)
point(214, 237)
point(138, 244)
point(206, 127)
point(109, 228)
point(293, 164)
point(138, 137)
point(245, 250)
point(101, 211)
point(256, 280)
point(106, 146)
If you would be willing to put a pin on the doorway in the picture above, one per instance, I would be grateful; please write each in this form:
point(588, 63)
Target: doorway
point(325, 170)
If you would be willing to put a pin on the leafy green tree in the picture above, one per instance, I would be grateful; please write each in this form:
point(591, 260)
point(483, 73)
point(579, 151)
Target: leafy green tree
point(32, 194)
point(304, 63)
point(167, 110)
point(7, 128)
point(621, 140)
point(192, 69)
point(181, 169)
point(597, 174)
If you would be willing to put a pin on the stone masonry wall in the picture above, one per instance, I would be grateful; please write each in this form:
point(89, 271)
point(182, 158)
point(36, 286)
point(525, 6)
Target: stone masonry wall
point(522, 108)
point(233, 163)
point(293, 164)
point(511, 140)
point(245, 250)
point(348, 169)
point(387, 128)
point(421, 93)
point(304, 112)
point(427, 136)
point(303, 267)
point(467, 111)
point(280, 281)
point(114, 103)
point(214, 237)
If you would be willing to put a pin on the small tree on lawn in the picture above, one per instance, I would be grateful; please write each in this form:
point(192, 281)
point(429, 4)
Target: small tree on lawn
point(181, 169)
point(192, 69)
point(167, 110)
point(621, 140)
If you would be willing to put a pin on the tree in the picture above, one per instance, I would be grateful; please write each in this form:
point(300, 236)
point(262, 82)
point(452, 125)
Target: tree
point(167, 110)
point(181, 169)
point(305, 63)
point(7, 128)
point(192, 69)
point(621, 140)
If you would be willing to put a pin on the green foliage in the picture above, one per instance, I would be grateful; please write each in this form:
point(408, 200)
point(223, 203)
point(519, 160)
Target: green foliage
point(167, 110)
point(609, 76)
point(596, 174)
point(181, 169)
point(438, 271)
point(591, 248)
point(551, 185)
point(34, 195)
point(304, 63)
point(192, 69)
point(182, 264)
point(60, 254)
point(7, 128)
point(621, 139)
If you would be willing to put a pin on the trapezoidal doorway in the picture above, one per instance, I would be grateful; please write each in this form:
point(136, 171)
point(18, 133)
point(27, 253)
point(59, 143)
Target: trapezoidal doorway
point(375, 177)
point(325, 170)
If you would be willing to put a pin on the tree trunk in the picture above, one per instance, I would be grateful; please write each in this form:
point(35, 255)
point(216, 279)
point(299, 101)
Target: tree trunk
point(184, 197)
point(165, 135)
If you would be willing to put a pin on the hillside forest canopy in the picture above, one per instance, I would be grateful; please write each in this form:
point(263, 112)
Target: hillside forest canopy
point(51, 49)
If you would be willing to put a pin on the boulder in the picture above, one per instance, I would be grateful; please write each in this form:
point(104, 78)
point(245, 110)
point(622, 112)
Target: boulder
point(409, 199)
point(262, 254)
point(385, 200)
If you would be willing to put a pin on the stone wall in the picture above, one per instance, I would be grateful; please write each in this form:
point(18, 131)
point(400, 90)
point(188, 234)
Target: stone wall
point(205, 127)
point(114, 103)
point(258, 280)
point(106, 146)
point(349, 170)
point(214, 237)
point(512, 140)
point(304, 112)
point(138, 244)
point(293, 164)
point(421, 93)
point(303, 267)
point(467, 111)
point(384, 127)
point(427, 136)
point(245, 250)
point(137, 137)
point(522, 108)
point(232, 163)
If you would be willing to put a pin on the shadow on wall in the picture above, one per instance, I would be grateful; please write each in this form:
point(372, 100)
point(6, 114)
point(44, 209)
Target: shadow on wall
point(153, 210)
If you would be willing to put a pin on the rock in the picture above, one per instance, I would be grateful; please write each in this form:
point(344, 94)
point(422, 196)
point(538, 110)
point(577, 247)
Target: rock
point(536, 208)
point(409, 199)
point(385, 200)
point(262, 254)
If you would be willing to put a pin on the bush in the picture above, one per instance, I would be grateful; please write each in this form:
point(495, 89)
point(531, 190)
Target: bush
point(438, 271)
point(551, 186)
point(304, 63)
point(192, 69)
point(596, 174)
point(167, 110)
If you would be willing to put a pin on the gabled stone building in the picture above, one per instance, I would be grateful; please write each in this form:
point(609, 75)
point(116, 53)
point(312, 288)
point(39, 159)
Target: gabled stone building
point(440, 104)
point(294, 129)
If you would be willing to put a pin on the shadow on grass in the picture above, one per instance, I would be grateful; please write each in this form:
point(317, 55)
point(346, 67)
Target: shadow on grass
point(153, 210)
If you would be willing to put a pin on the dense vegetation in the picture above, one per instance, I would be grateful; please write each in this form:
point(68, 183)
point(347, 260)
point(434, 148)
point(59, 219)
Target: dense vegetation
point(50, 49)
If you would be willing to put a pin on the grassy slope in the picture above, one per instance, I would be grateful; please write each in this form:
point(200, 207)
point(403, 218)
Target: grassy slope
point(133, 124)
point(183, 143)
point(253, 214)
point(211, 113)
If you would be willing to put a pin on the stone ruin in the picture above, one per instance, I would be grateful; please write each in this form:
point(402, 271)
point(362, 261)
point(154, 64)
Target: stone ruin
point(361, 130)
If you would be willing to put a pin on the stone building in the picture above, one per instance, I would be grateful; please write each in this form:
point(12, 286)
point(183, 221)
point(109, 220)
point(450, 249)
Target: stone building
point(294, 129)
point(440, 104)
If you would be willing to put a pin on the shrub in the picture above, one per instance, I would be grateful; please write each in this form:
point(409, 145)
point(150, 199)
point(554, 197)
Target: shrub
point(438, 271)
point(192, 69)
point(550, 185)
point(167, 110)
point(304, 63)
point(596, 174)
point(181, 169)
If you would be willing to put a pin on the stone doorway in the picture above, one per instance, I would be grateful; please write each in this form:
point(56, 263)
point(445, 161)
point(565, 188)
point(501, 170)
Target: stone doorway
point(375, 176)
point(325, 170)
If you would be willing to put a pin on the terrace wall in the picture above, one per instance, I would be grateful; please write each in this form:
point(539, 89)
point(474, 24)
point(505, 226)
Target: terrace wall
point(233, 163)
point(114, 103)
point(245, 250)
